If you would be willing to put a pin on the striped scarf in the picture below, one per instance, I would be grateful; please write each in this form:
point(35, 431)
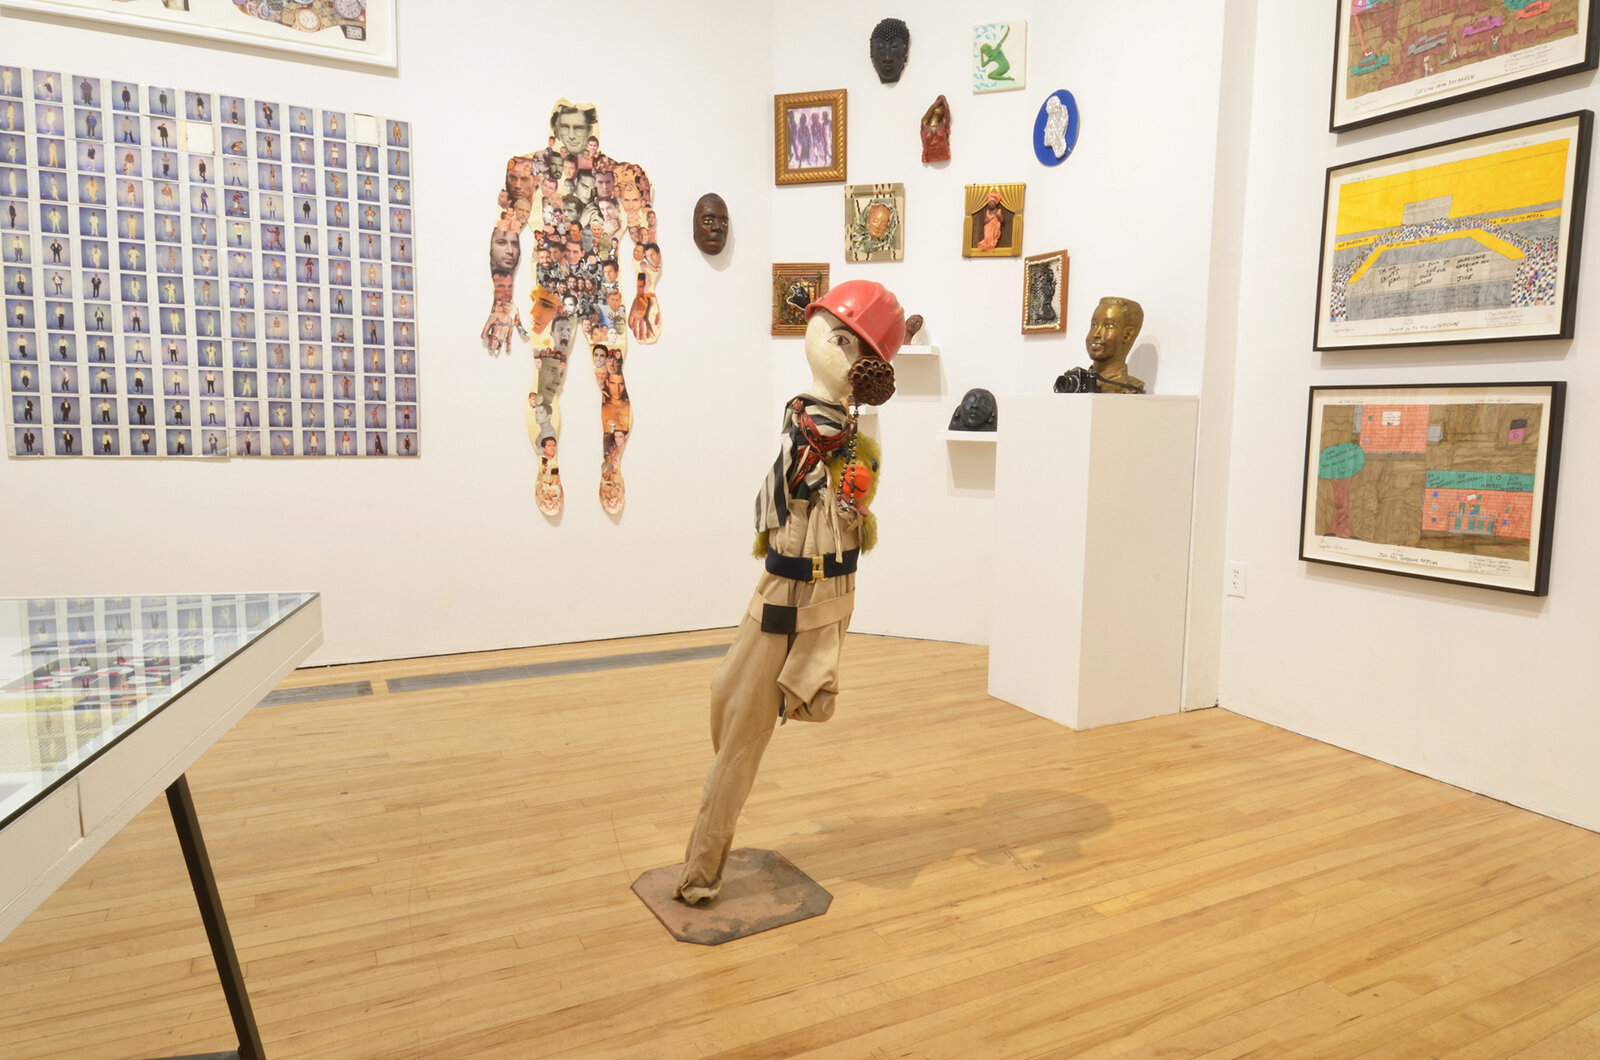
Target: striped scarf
point(813, 430)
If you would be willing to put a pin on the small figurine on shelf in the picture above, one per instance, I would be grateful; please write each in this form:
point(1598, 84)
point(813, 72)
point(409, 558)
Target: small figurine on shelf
point(1114, 326)
point(913, 329)
point(977, 412)
point(936, 132)
point(813, 520)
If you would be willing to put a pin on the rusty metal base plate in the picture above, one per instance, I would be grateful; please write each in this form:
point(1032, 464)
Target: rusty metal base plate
point(761, 890)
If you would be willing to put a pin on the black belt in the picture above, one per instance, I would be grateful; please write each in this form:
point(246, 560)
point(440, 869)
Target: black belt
point(811, 568)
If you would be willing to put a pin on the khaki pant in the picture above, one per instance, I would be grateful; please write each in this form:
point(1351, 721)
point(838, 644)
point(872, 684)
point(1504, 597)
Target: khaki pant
point(760, 674)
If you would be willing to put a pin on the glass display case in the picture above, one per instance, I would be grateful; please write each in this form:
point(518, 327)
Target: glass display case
point(78, 674)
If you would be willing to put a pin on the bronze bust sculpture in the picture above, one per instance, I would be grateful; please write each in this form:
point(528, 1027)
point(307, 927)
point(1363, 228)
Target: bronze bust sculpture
point(1112, 330)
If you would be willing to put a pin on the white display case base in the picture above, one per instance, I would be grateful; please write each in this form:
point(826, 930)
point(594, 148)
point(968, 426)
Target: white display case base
point(1093, 499)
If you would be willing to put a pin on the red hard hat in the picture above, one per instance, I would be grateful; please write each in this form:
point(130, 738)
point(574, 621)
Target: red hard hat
point(869, 309)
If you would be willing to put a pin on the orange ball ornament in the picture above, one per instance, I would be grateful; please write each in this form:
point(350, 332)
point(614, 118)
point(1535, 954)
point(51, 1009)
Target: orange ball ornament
point(855, 483)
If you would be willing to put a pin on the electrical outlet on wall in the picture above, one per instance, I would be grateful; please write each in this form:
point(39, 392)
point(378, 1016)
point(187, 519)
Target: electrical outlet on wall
point(1235, 579)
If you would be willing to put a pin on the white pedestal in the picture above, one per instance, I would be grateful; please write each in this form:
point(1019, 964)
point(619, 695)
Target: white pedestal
point(1093, 498)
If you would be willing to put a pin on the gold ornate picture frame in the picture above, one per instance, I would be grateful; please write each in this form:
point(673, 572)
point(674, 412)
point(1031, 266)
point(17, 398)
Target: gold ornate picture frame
point(992, 227)
point(808, 137)
point(1044, 292)
point(796, 285)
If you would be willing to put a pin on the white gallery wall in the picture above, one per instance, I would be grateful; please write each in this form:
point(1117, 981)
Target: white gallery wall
point(1195, 188)
point(1132, 205)
point(1483, 689)
point(448, 552)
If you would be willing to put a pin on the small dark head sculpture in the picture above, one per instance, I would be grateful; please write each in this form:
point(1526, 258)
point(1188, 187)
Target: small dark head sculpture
point(977, 412)
point(891, 46)
point(711, 223)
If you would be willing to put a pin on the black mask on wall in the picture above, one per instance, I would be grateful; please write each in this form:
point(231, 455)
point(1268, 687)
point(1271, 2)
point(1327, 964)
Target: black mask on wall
point(711, 223)
point(891, 46)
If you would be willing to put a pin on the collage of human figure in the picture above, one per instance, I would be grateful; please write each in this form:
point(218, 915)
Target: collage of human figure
point(579, 203)
point(91, 668)
point(189, 274)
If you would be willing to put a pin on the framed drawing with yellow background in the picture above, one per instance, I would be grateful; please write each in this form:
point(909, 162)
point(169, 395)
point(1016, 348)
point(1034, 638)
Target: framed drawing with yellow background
point(1471, 240)
point(993, 225)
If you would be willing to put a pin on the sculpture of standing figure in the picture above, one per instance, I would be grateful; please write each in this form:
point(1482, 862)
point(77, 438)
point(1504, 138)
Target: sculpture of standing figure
point(577, 201)
point(812, 523)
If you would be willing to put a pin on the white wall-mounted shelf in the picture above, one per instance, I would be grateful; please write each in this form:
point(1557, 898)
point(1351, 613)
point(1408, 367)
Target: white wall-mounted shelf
point(971, 436)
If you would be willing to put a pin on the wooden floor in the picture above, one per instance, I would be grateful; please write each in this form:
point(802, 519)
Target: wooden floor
point(446, 875)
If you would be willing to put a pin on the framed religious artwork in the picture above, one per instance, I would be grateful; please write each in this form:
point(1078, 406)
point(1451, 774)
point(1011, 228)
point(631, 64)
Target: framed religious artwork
point(794, 286)
point(808, 137)
point(1393, 58)
point(999, 56)
point(1470, 240)
point(1454, 483)
point(874, 222)
point(992, 227)
point(1044, 292)
point(352, 31)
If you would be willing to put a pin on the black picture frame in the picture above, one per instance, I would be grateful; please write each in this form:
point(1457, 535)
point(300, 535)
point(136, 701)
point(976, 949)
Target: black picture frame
point(1412, 300)
point(1464, 77)
point(1485, 514)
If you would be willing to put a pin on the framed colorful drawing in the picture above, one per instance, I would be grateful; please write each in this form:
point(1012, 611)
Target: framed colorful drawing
point(1393, 58)
point(992, 227)
point(795, 286)
point(874, 222)
point(808, 137)
point(1455, 483)
point(1471, 240)
point(1044, 292)
point(353, 31)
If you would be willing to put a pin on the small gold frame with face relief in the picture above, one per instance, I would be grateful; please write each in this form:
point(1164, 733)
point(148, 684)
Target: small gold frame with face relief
point(799, 155)
point(861, 203)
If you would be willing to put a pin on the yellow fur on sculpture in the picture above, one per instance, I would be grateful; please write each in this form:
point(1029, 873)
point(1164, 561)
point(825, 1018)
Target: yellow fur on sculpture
point(869, 457)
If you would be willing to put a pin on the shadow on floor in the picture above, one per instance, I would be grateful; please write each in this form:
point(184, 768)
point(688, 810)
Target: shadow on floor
point(1029, 829)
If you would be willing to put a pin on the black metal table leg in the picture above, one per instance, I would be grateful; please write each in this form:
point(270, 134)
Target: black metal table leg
point(205, 892)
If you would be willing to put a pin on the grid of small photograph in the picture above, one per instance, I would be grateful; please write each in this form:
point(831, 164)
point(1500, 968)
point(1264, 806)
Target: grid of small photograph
point(194, 274)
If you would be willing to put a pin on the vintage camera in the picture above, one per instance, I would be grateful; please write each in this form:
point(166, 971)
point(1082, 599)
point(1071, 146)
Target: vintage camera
point(1078, 380)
